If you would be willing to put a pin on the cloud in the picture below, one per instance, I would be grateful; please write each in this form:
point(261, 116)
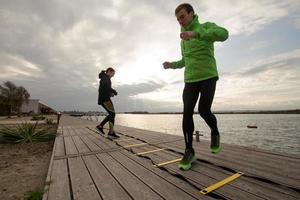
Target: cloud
point(296, 21)
point(272, 83)
point(260, 45)
point(130, 98)
point(16, 66)
point(246, 17)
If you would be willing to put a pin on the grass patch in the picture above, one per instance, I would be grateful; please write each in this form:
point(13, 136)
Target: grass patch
point(49, 121)
point(34, 195)
point(26, 133)
point(38, 118)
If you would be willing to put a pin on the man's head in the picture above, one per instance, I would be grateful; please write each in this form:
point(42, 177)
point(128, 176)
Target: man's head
point(184, 14)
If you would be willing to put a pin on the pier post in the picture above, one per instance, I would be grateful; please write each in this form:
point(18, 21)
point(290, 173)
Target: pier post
point(197, 136)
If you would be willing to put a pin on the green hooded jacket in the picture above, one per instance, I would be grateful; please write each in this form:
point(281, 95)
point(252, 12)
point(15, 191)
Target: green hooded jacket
point(198, 53)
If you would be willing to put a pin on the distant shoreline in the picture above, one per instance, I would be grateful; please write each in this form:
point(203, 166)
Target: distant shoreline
point(225, 112)
point(96, 113)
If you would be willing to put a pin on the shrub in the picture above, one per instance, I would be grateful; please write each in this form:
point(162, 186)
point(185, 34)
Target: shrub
point(49, 121)
point(34, 195)
point(25, 133)
point(38, 117)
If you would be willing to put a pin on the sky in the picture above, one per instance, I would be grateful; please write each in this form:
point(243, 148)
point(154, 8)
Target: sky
point(56, 48)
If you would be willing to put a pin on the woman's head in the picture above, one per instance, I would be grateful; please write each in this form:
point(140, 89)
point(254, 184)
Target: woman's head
point(110, 72)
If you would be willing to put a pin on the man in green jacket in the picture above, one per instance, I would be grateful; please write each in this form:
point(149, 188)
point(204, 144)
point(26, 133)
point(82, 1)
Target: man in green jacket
point(200, 76)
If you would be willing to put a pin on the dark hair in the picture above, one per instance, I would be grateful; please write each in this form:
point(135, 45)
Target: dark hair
point(185, 6)
point(110, 69)
point(101, 74)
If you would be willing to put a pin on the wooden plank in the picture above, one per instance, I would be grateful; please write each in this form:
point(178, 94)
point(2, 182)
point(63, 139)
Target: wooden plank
point(99, 142)
point(65, 131)
point(70, 146)
point(249, 168)
point(136, 188)
point(253, 186)
point(80, 131)
point(202, 180)
point(80, 145)
point(71, 130)
point(277, 162)
point(59, 146)
point(164, 188)
point(60, 130)
point(107, 185)
point(48, 177)
point(180, 184)
point(92, 146)
point(105, 143)
point(59, 187)
point(82, 185)
point(260, 164)
point(265, 190)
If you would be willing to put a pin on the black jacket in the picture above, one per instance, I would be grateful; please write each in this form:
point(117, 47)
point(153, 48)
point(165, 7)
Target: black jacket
point(105, 91)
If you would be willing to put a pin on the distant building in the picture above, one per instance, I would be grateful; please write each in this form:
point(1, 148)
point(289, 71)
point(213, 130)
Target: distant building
point(35, 106)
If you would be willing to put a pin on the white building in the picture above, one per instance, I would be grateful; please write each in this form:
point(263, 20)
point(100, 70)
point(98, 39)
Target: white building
point(35, 106)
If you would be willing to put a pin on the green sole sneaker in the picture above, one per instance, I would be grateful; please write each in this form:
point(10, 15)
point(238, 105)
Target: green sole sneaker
point(216, 150)
point(186, 166)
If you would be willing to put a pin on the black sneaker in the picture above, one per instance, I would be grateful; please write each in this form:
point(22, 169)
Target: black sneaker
point(215, 143)
point(186, 161)
point(100, 129)
point(112, 135)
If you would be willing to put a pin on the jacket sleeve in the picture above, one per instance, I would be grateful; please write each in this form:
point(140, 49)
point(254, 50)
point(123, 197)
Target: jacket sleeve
point(212, 32)
point(114, 91)
point(180, 63)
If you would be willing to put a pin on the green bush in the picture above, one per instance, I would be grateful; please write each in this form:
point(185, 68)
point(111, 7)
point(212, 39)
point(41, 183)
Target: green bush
point(34, 195)
point(49, 121)
point(38, 117)
point(25, 133)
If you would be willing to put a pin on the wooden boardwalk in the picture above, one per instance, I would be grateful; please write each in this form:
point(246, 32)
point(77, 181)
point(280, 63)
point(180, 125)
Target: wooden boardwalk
point(85, 165)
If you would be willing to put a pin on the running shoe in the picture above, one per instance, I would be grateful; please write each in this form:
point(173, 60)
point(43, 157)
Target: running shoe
point(215, 146)
point(100, 129)
point(186, 161)
point(113, 135)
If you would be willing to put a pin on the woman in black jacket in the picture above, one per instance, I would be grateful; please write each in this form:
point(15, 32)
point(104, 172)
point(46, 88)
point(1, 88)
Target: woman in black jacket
point(105, 93)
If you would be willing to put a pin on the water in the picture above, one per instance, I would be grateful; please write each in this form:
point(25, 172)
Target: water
point(279, 132)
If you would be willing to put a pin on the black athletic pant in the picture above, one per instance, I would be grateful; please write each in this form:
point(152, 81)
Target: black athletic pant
point(109, 107)
point(190, 96)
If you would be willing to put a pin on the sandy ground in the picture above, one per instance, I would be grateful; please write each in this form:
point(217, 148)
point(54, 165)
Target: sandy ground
point(23, 167)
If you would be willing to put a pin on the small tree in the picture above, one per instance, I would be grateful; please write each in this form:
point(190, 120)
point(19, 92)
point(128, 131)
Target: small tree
point(12, 97)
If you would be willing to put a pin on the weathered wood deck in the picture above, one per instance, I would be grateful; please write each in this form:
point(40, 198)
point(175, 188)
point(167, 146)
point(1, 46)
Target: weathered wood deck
point(86, 165)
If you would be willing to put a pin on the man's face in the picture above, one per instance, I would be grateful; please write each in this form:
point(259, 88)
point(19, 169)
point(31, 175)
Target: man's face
point(184, 18)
